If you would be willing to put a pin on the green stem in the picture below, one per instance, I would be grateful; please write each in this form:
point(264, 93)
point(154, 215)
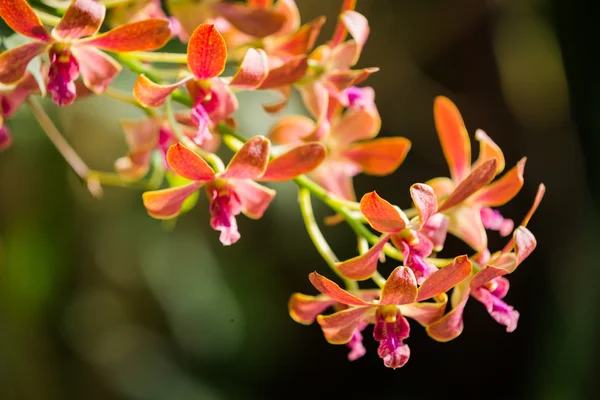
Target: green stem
point(317, 237)
point(154, 56)
point(46, 17)
point(125, 97)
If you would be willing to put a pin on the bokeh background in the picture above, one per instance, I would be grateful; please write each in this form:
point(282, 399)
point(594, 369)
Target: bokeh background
point(99, 301)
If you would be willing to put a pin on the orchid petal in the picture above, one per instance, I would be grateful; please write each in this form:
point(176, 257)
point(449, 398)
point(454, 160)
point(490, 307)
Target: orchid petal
point(150, 94)
point(250, 162)
point(336, 177)
point(426, 313)
point(316, 98)
point(488, 149)
point(340, 80)
point(465, 224)
point(504, 189)
point(285, 93)
point(289, 9)
point(451, 325)
point(260, 3)
point(363, 266)
point(255, 198)
point(380, 214)
point(167, 203)
point(425, 201)
point(304, 309)
point(301, 41)
point(379, 156)
point(188, 164)
point(445, 278)
point(477, 179)
point(505, 264)
point(525, 243)
point(453, 137)
point(442, 187)
point(13, 62)
point(334, 291)
point(361, 124)
point(253, 70)
point(253, 21)
point(82, 18)
point(536, 202)
point(97, 68)
point(287, 73)
point(145, 35)
point(291, 130)
point(298, 161)
point(21, 18)
point(400, 287)
point(358, 26)
point(339, 327)
point(207, 52)
point(435, 229)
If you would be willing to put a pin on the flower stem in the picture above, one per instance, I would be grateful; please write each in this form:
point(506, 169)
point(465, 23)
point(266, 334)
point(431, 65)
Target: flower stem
point(125, 97)
point(317, 237)
point(46, 17)
point(153, 56)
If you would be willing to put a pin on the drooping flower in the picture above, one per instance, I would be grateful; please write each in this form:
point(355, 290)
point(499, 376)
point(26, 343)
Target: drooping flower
point(74, 46)
point(470, 216)
point(351, 144)
point(488, 285)
point(11, 98)
point(234, 190)
point(386, 309)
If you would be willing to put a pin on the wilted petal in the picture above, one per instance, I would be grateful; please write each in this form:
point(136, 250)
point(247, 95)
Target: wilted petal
point(253, 21)
point(297, 161)
point(358, 26)
point(363, 266)
point(97, 69)
point(465, 224)
point(253, 70)
point(425, 201)
point(149, 34)
point(188, 164)
point(453, 137)
point(304, 309)
point(291, 130)
point(477, 179)
point(150, 94)
point(379, 156)
point(250, 161)
point(82, 18)
point(488, 149)
point(504, 189)
point(255, 198)
point(400, 287)
point(166, 203)
point(451, 325)
point(445, 278)
point(426, 313)
point(333, 291)
point(287, 73)
point(22, 19)
point(339, 327)
point(13, 62)
point(382, 216)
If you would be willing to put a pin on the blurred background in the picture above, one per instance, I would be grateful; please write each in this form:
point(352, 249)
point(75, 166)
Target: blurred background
point(99, 301)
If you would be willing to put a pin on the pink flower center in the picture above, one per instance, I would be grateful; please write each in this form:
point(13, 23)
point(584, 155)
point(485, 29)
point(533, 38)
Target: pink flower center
point(391, 328)
point(493, 220)
point(224, 206)
point(414, 252)
point(63, 72)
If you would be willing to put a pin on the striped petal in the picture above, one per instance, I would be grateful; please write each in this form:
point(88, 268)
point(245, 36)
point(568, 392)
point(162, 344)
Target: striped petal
point(207, 52)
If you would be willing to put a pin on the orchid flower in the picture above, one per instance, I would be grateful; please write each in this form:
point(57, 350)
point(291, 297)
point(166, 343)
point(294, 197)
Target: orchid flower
point(470, 216)
point(351, 146)
point(213, 99)
point(234, 190)
point(73, 46)
point(11, 98)
point(399, 298)
point(488, 285)
point(139, 10)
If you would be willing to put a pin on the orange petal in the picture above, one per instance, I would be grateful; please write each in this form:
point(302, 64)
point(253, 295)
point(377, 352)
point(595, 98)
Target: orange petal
point(379, 156)
point(362, 124)
point(504, 189)
point(451, 325)
point(97, 68)
point(339, 327)
point(400, 287)
point(334, 292)
point(476, 180)
point(291, 130)
point(149, 34)
point(336, 177)
point(287, 73)
point(488, 149)
point(536, 202)
point(207, 52)
point(22, 19)
point(166, 203)
point(358, 26)
point(445, 278)
point(292, 16)
point(82, 18)
point(255, 198)
point(425, 201)
point(297, 161)
point(425, 313)
point(13, 62)
point(253, 70)
point(250, 162)
point(363, 266)
point(150, 94)
point(442, 187)
point(304, 309)
point(453, 137)
point(465, 224)
point(504, 264)
point(382, 216)
point(188, 164)
point(253, 21)
point(301, 41)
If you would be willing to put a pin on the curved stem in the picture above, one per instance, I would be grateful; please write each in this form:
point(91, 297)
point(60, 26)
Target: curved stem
point(317, 237)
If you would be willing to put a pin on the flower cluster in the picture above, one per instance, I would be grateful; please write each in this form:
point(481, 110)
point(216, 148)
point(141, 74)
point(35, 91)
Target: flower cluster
point(173, 151)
